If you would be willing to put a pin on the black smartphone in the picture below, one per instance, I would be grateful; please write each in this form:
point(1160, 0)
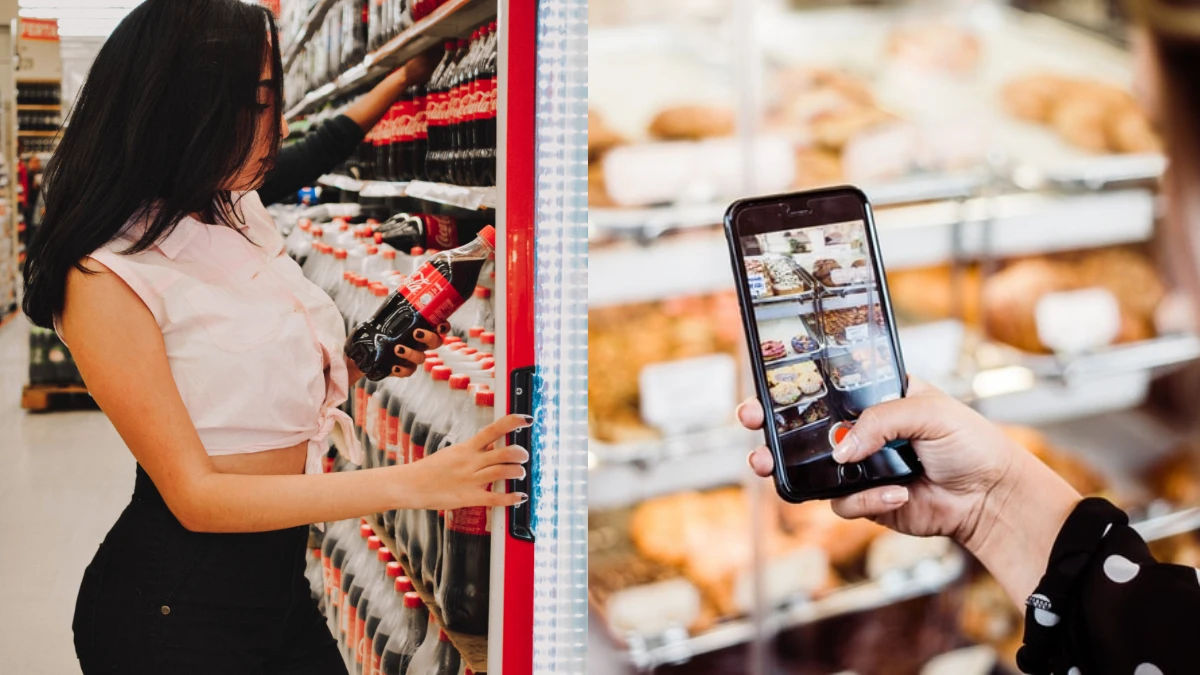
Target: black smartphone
point(821, 335)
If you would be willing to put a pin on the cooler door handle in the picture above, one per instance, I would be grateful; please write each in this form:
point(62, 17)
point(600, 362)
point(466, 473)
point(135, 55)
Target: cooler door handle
point(520, 518)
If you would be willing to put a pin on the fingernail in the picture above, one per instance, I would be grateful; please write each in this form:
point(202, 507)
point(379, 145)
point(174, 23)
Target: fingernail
point(523, 474)
point(528, 420)
point(524, 498)
point(750, 459)
point(897, 495)
point(419, 334)
point(843, 450)
point(443, 329)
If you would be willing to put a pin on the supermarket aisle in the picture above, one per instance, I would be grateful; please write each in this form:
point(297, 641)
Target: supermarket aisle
point(65, 478)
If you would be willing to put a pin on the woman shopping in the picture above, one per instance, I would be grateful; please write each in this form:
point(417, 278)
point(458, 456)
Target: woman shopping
point(1096, 601)
point(218, 363)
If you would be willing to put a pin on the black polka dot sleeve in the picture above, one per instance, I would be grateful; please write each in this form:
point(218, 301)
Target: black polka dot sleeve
point(1107, 606)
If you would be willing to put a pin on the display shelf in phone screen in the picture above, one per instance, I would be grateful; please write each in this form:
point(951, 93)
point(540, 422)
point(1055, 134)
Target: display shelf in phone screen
point(812, 402)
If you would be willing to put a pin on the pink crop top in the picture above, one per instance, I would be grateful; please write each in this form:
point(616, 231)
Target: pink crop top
point(254, 346)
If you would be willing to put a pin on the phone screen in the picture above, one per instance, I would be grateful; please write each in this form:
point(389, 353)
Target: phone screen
point(820, 323)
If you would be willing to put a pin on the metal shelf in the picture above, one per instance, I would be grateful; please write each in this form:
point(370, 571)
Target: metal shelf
point(307, 29)
point(928, 577)
point(453, 19)
point(473, 198)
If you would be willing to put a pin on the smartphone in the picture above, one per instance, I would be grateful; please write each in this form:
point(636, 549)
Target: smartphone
point(821, 335)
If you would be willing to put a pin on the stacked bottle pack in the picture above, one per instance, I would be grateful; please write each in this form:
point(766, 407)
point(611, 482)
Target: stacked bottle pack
point(445, 130)
point(380, 622)
point(385, 296)
point(50, 362)
point(350, 30)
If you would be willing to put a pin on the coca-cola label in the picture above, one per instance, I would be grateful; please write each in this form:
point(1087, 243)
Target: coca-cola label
point(441, 232)
point(376, 665)
point(381, 425)
point(360, 404)
point(406, 446)
point(456, 104)
point(493, 94)
point(430, 293)
point(475, 108)
point(416, 452)
point(404, 131)
point(471, 520)
point(335, 592)
point(421, 119)
point(392, 436)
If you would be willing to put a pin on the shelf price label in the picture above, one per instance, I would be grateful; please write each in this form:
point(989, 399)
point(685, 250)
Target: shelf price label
point(691, 394)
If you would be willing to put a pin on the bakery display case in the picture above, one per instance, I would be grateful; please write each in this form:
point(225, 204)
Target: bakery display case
point(1016, 192)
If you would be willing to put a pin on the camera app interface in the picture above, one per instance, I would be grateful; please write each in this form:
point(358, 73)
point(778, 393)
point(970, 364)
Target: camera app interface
point(822, 334)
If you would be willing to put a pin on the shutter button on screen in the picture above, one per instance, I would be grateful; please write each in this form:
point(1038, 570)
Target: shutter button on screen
point(847, 473)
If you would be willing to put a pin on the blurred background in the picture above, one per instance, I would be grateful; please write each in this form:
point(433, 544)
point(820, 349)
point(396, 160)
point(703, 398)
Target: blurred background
point(1016, 186)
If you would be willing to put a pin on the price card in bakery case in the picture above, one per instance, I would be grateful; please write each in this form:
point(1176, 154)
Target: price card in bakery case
point(690, 394)
point(758, 285)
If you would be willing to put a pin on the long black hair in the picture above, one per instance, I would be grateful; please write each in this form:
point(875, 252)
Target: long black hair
point(167, 118)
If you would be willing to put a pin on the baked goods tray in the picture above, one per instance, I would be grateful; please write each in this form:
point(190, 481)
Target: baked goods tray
point(676, 646)
point(1012, 43)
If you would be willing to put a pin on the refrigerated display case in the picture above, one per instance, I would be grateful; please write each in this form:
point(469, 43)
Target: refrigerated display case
point(534, 357)
point(995, 229)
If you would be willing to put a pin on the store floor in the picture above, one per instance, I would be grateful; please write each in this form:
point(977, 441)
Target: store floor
point(64, 478)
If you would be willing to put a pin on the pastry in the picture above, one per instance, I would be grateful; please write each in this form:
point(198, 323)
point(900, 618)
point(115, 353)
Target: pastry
point(597, 193)
point(842, 325)
point(936, 293)
point(810, 383)
point(818, 167)
point(803, 344)
point(815, 412)
point(784, 277)
point(773, 350)
point(1176, 478)
point(1130, 130)
point(834, 130)
point(785, 393)
point(601, 137)
point(1032, 97)
point(692, 123)
point(934, 46)
point(1081, 122)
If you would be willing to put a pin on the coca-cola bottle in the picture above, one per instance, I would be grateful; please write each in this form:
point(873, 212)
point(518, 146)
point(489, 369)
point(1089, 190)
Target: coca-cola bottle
point(403, 131)
point(408, 636)
point(354, 563)
point(439, 429)
point(383, 143)
point(459, 87)
point(413, 407)
point(366, 570)
point(426, 299)
point(466, 557)
point(377, 593)
point(439, 140)
point(424, 526)
point(424, 659)
point(485, 122)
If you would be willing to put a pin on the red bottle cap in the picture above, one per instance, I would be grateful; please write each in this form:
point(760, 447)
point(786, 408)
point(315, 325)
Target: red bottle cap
point(457, 346)
point(475, 331)
point(365, 530)
point(442, 637)
point(452, 340)
point(416, 251)
point(372, 250)
point(372, 221)
point(316, 231)
point(361, 282)
point(493, 25)
point(487, 364)
point(441, 374)
point(430, 364)
point(488, 338)
point(394, 570)
point(339, 253)
point(469, 351)
point(404, 584)
point(485, 397)
point(380, 291)
point(384, 555)
point(348, 276)
point(431, 354)
point(488, 234)
point(462, 43)
point(411, 599)
point(449, 45)
point(389, 254)
point(483, 292)
point(378, 237)
point(373, 543)
point(460, 382)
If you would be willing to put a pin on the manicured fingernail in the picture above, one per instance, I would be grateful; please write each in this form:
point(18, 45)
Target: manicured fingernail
point(750, 459)
point(443, 329)
point(897, 495)
point(524, 498)
point(523, 474)
point(528, 420)
point(842, 452)
point(420, 334)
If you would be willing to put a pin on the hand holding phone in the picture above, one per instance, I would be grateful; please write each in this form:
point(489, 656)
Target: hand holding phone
point(822, 339)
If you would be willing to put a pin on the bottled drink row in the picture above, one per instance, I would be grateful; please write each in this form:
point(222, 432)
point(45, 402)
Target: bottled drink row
point(38, 94)
point(444, 130)
point(43, 145)
point(38, 121)
point(381, 624)
point(50, 362)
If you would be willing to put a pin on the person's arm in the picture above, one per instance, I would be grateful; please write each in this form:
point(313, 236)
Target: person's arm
point(119, 349)
point(325, 147)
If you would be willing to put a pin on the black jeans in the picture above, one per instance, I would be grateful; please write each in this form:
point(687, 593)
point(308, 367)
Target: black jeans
point(158, 598)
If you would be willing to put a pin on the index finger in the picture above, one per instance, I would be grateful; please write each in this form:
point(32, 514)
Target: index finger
point(497, 430)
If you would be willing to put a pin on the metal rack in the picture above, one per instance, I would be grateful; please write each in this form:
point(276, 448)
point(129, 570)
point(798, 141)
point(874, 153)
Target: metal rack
point(451, 19)
point(472, 198)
